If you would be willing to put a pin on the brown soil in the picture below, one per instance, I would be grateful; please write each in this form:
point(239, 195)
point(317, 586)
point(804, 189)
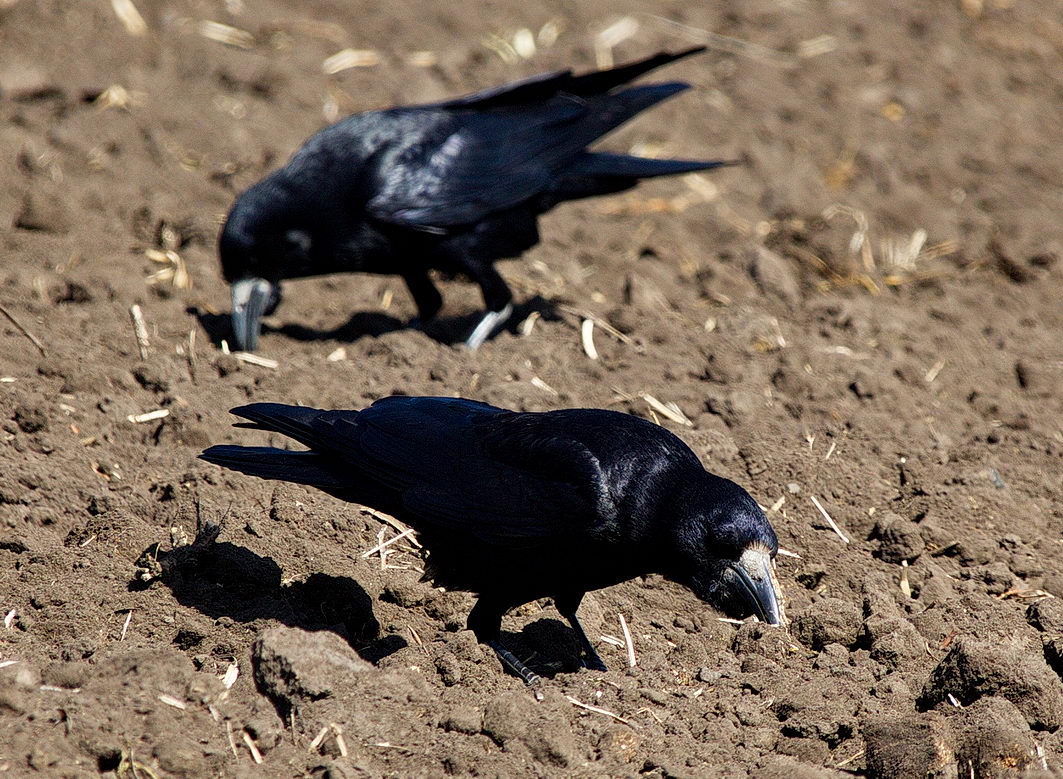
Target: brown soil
point(913, 393)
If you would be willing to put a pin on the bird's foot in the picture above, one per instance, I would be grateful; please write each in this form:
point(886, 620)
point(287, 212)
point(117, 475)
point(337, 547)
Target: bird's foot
point(492, 321)
point(513, 664)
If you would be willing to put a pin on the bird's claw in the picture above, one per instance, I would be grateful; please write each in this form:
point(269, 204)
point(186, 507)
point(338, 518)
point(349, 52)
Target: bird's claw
point(492, 320)
point(514, 664)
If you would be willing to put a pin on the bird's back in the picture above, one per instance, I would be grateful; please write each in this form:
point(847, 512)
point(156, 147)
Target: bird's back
point(525, 499)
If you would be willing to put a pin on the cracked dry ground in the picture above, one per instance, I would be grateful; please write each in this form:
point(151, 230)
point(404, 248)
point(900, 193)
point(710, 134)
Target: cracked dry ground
point(866, 312)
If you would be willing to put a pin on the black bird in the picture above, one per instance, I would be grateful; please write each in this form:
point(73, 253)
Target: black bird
point(519, 506)
point(453, 186)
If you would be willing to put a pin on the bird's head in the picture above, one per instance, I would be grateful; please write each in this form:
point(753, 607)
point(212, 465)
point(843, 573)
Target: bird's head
point(725, 550)
point(258, 247)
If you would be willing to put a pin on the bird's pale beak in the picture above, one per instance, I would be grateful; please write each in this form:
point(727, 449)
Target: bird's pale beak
point(756, 572)
point(251, 298)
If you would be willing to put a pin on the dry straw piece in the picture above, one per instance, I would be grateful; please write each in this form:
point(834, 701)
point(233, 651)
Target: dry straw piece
point(598, 710)
point(632, 661)
point(149, 416)
point(346, 59)
point(587, 338)
point(224, 33)
point(140, 330)
point(254, 359)
point(669, 411)
point(831, 522)
point(130, 17)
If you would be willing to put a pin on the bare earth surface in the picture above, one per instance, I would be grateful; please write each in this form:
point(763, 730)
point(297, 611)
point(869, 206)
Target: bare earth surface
point(866, 314)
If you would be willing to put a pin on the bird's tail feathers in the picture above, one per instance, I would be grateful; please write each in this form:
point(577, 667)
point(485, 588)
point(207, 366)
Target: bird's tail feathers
point(606, 165)
point(622, 106)
point(600, 81)
point(296, 422)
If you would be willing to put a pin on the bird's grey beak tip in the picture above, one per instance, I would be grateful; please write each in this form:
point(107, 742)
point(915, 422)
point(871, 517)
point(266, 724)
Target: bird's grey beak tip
point(756, 572)
point(250, 297)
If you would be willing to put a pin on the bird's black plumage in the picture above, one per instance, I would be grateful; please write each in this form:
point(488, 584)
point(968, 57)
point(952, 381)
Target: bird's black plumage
point(518, 506)
point(453, 186)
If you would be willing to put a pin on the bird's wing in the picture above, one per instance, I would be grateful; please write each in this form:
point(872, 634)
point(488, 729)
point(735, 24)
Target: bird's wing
point(527, 90)
point(504, 483)
point(545, 85)
point(457, 465)
point(489, 151)
point(475, 163)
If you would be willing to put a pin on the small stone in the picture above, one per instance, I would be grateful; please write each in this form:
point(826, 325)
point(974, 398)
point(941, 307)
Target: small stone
point(449, 669)
point(709, 675)
point(774, 275)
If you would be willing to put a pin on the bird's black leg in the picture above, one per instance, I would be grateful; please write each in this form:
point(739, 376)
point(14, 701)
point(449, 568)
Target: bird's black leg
point(567, 606)
point(497, 298)
point(485, 620)
point(425, 296)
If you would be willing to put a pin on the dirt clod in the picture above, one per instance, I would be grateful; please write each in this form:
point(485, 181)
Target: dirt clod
point(827, 621)
point(974, 669)
point(909, 745)
point(293, 666)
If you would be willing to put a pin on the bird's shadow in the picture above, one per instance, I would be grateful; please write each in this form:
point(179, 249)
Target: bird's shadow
point(449, 330)
point(222, 579)
point(547, 646)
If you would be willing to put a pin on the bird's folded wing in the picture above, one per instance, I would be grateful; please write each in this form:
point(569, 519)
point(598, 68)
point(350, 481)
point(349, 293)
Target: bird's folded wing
point(457, 465)
point(527, 90)
point(488, 162)
point(505, 490)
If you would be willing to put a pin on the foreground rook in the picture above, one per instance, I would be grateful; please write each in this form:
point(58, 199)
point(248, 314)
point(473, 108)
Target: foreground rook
point(519, 506)
point(452, 186)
